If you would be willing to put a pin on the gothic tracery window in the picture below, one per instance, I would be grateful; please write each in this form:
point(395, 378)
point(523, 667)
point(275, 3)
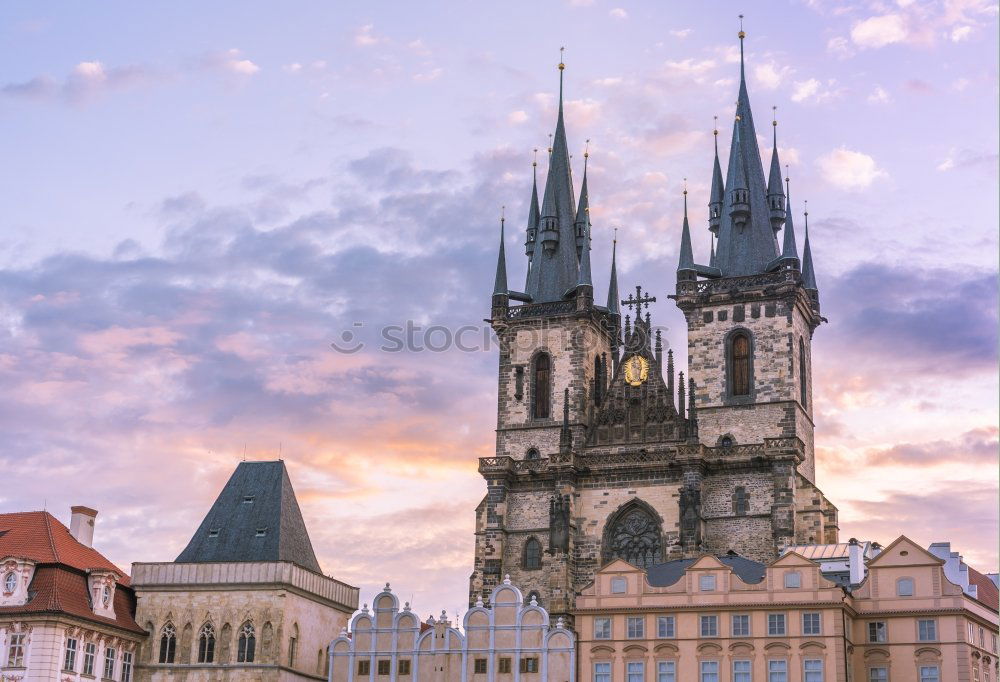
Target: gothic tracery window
point(206, 644)
point(802, 372)
point(532, 554)
point(541, 388)
point(247, 644)
point(635, 537)
point(168, 643)
point(740, 364)
point(741, 501)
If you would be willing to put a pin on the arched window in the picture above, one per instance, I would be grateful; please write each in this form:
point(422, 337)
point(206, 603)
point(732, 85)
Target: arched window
point(206, 644)
point(541, 388)
point(633, 534)
point(802, 372)
point(292, 643)
point(598, 380)
point(741, 501)
point(739, 364)
point(532, 554)
point(168, 643)
point(247, 645)
point(532, 453)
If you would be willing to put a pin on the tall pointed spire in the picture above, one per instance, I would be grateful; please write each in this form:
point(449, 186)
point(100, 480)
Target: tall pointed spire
point(613, 283)
point(500, 281)
point(711, 257)
point(556, 252)
point(582, 226)
point(808, 274)
point(747, 242)
point(685, 263)
point(775, 193)
point(789, 249)
point(718, 189)
point(533, 214)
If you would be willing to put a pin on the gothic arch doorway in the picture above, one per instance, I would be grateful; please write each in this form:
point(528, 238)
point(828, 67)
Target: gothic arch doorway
point(634, 533)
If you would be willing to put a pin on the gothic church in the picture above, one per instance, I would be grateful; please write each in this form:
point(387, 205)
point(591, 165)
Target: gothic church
point(602, 452)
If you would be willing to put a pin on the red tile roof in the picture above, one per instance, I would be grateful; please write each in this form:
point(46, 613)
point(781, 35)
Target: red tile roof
point(987, 592)
point(59, 583)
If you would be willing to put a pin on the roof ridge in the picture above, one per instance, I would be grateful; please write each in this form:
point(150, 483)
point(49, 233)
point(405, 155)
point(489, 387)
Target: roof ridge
point(52, 542)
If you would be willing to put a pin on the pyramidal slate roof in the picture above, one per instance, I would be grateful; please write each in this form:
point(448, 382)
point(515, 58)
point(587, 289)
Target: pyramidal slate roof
point(666, 574)
point(255, 518)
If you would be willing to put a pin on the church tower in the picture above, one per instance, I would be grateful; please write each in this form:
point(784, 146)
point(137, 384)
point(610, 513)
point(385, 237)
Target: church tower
point(603, 452)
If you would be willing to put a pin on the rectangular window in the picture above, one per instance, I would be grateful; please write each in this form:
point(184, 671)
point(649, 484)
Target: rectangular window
point(810, 623)
point(384, 667)
point(741, 671)
point(994, 637)
point(666, 671)
point(127, 666)
point(504, 665)
point(636, 627)
point(982, 639)
point(930, 673)
point(635, 671)
point(709, 626)
point(878, 674)
point(812, 670)
point(927, 630)
point(618, 585)
point(877, 631)
point(602, 672)
point(529, 664)
point(741, 625)
point(480, 666)
point(709, 671)
point(15, 651)
point(69, 660)
point(89, 654)
point(793, 579)
point(775, 625)
point(109, 663)
point(602, 628)
point(706, 583)
point(665, 626)
point(777, 671)
point(364, 667)
point(904, 587)
point(404, 666)
point(972, 632)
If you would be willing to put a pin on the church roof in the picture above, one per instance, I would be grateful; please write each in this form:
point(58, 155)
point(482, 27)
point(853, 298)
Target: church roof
point(255, 518)
point(666, 574)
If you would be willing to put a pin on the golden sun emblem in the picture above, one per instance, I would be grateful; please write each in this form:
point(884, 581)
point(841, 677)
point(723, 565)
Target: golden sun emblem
point(636, 370)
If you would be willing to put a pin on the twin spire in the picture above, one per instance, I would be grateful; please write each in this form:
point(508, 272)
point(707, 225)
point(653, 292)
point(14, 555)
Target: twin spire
point(745, 212)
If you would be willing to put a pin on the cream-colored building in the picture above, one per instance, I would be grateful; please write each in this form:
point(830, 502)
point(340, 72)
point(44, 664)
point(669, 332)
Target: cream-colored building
point(728, 619)
point(246, 600)
point(506, 640)
point(66, 612)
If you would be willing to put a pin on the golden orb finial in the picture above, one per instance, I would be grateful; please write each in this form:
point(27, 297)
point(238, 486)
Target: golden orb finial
point(742, 34)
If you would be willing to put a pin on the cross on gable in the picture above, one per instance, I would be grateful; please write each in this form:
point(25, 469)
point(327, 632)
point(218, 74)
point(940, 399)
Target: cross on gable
point(638, 300)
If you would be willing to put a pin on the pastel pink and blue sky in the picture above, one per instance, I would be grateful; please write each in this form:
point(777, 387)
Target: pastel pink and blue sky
point(197, 199)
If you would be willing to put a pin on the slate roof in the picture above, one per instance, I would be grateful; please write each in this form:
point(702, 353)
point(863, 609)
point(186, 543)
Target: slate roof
point(666, 574)
point(257, 497)
point(59, 584)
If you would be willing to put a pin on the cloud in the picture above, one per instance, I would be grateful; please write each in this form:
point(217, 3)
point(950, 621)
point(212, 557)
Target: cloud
point(427, 76)
point(840, 47)
point(813, 91)
point(977, 447)
point(879, 96)
point(968, 158)
point(85, 81)
point(879, 31)
point(850, 170)
point(960, 33)
point(618, 13)
point(365, 36)
point(517, 117)
point(770, 76)
point(681, 33)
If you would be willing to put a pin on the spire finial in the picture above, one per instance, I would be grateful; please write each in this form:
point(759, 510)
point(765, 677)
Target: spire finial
point(742, 34)
point(503, 215)
point(550, 144)
point(562, 67)
point(786, 179)
point(534, 163)
point(685, 197)
point(774, 124)
point(614, 239)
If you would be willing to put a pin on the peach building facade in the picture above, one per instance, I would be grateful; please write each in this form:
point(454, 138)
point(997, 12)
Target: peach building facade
point(728, 619)
point(505, 640)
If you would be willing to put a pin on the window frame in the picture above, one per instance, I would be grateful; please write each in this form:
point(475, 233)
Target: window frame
point(732, 625)
point(546, 393)
point(873, 668)
point(702, 672)
point(168, 644)
point(503, 665)
point(601, 633)
point(803, 382)
point(69, 654)
point(932, 624)
point(771, 673)
point(616, 581)
point(796, 582)
point(365, 667)
point(629, 673)
point(126, 666)
point(732, 397)
point(806, 671)
point(745, 675)
point(246, 643)
point(922, 677)
point(532, 543)
point(403, 666)
point(602, 675)
point(906, 580)
point(529, 664)
point(661, 675)
point(480, 666)
point(15, 649)
point(89, 658)
point(771, 625)
point(206, 643)
point(703, 620)
point(635, 633)
point(819, 623)
point(874, 630)
point(110, 661)
point(707, 582)
point(665, 623)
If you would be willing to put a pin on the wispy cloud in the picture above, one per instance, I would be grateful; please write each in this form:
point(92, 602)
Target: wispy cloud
point(849, 169)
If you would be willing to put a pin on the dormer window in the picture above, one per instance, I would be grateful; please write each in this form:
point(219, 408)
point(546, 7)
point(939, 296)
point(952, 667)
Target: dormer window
point(248, 499)
point(213, 532)
point(706, 583)
point(106, 595)
point(261, 532)
point(10, 582)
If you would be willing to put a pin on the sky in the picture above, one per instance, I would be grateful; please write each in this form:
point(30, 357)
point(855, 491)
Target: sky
point(199, 199)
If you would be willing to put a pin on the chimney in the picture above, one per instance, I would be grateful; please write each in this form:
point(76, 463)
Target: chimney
point(81, 524)
point(856, 561)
